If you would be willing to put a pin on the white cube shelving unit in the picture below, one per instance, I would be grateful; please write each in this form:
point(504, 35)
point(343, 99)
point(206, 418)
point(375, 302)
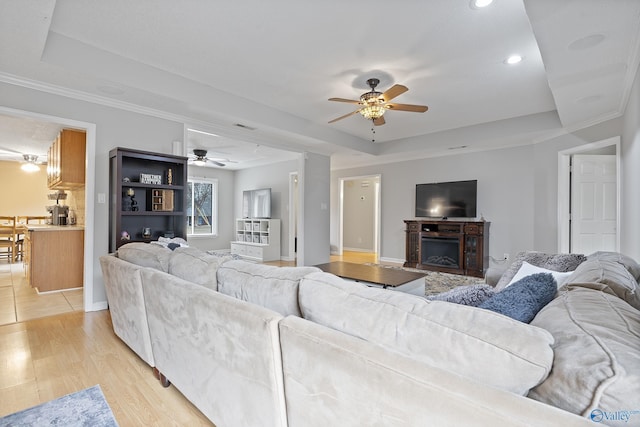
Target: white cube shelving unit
point(257, 239)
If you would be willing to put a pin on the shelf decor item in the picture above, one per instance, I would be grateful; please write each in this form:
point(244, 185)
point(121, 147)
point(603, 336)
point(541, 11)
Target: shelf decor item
point(146, 178)
point(162, 200)
point(132, 194)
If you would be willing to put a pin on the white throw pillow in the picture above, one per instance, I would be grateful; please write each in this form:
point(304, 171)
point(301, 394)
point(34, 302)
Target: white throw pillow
point(527, 270)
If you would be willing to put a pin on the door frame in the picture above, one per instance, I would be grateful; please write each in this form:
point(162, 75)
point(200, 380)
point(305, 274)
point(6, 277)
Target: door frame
point(376, 213)
point(564, 189)
point(293, 214)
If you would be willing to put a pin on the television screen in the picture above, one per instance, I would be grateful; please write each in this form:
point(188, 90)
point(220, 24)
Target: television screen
point(256, 203)
point(447, 199)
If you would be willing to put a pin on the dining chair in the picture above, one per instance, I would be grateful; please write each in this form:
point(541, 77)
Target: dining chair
point(20, 231)
point(8, 237)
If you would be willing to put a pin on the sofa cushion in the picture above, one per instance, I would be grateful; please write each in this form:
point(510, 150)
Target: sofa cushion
point(527, 269)
point(608, 276)
point(145, 255)
point(272, 287)
point(555, 262)
point(628, 263)
point(525, 298)
point(596, 353)
point(473, 295)
point(195, 266)
point(478, 344)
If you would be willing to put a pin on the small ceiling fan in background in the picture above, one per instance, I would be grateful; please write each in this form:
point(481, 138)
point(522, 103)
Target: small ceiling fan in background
point(30, 162)
point(374, 104)
point(200, 159)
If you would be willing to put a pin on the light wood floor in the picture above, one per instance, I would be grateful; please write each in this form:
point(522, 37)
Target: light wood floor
point(43, 358)
point(20, 302)
point(347, 256)
point(47, 358)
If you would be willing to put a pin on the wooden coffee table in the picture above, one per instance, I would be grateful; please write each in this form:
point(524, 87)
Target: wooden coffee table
point(376, 276)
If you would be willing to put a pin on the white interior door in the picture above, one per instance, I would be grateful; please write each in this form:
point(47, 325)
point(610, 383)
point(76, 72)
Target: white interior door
point(593, 203)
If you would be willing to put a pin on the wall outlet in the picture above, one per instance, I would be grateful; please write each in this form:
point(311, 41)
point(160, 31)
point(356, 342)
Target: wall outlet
point(506, 257)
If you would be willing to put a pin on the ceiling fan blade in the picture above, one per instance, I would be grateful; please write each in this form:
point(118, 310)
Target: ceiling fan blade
point(217, 163)
point(350, 101)
point(407, 107)
point(345, 116)
point(379, 121)
point(394, 91)
point(8, 151)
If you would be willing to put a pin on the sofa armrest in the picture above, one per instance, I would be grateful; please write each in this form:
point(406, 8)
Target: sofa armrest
point(493, 275)
point(123, 286)
point(223, 354)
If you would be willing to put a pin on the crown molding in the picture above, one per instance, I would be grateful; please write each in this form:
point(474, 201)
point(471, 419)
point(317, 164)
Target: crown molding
point(104, 101)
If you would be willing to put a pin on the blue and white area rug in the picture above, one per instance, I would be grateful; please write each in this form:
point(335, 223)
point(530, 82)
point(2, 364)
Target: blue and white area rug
point(83, 408)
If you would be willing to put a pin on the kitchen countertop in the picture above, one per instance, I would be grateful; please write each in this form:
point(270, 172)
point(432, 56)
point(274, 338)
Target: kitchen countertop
point(48, 227)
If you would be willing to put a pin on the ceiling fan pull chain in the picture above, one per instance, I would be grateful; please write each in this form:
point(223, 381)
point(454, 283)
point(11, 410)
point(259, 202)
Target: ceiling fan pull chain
point(373, 132)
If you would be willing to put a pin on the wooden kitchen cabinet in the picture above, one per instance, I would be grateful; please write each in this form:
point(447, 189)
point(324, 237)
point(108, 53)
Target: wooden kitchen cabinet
point(66, 160)
point(54, 258)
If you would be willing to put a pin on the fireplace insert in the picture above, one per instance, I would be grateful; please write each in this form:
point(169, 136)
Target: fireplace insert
point(441, 252)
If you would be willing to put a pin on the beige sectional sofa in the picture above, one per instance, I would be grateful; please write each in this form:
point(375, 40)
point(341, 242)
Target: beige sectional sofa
point(257, 345)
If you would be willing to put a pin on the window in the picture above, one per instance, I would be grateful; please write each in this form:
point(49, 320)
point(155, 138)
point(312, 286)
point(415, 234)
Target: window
point(202, 207)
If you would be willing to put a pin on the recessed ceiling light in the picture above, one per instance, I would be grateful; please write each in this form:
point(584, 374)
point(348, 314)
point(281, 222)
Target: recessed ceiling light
point(513, 59)
point(479, 4)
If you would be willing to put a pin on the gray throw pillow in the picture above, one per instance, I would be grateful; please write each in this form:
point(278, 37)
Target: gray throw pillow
point(555, 262)
point(525, 298)
point(472, 295)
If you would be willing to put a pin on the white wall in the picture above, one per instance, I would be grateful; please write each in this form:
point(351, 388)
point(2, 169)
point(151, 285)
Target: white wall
point(313, 226)
point(505, 185)
point(359, 202)
point(517, 191)
point(276, 177)
point(630, 241)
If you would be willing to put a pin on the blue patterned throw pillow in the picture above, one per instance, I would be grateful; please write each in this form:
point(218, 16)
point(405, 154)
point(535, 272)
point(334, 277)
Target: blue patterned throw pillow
point(523, 299)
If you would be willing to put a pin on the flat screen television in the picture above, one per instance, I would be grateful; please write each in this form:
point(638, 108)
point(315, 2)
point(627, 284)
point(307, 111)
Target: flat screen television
point(447, 199)
point(256, 203)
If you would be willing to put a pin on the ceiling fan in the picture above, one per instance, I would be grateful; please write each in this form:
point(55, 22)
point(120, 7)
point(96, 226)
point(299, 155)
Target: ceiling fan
point(373, 104)
point(29, 162)
point(200, 159)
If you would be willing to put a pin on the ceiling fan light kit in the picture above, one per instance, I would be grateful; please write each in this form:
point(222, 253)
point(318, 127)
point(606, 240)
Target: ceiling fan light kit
point(30, 165)
point(373, 104)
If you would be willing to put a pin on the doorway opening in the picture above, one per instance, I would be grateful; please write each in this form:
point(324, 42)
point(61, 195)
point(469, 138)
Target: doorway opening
point(359, 224)
point(89, 194)
point(579, 231)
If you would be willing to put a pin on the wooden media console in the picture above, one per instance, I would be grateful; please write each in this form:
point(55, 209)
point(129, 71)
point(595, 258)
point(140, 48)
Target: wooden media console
point(458, 247)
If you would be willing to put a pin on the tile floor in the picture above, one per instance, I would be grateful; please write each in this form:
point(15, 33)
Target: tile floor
point(20, 302)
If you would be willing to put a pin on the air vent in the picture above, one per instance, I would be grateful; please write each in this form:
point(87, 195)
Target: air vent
point(240, 125)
